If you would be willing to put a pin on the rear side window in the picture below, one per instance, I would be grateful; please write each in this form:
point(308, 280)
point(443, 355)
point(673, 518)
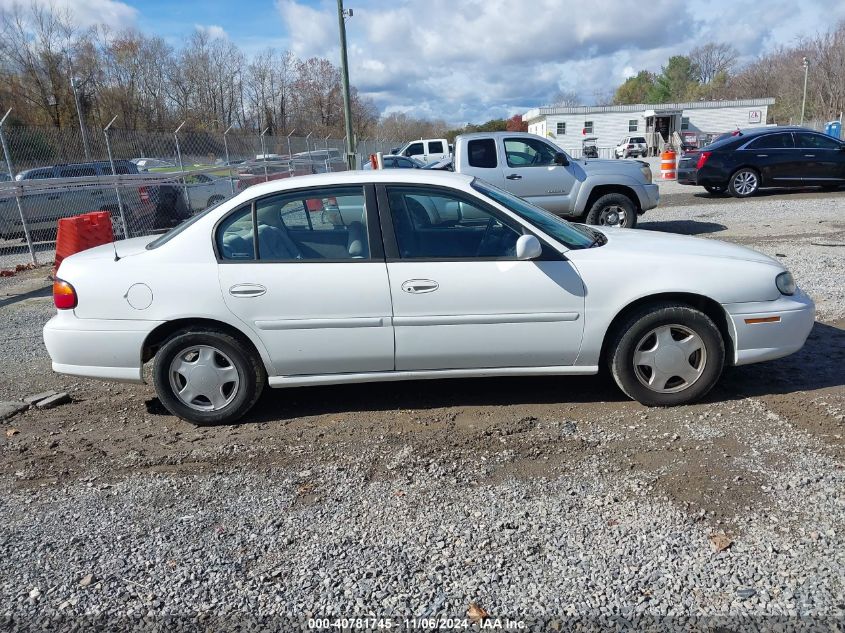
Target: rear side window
point(76, 172)
point(435, 147)
point(773, 141)
point(482, 153)
point(816, 141)
point(235, 236)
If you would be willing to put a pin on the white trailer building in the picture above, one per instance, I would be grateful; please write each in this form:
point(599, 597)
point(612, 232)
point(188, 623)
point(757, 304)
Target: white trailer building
point(567, 126)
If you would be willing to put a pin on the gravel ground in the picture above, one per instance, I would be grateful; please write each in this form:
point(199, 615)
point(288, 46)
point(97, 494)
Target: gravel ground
point(548, 502)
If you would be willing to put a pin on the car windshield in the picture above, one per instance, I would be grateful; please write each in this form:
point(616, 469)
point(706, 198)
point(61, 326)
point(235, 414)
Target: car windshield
point(568, 234)
point(176, 230)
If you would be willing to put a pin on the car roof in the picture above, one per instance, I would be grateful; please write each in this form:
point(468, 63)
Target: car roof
point(472, 135)
point(339, 178)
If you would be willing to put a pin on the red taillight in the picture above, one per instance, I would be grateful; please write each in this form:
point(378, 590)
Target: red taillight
point(702, 158)
point(144, 193)
point(64, 295)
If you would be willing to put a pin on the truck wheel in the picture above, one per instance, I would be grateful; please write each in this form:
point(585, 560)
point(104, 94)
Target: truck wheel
point(613, 209)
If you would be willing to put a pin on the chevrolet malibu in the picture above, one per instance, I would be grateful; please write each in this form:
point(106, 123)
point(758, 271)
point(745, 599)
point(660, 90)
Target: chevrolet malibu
point(398, 275)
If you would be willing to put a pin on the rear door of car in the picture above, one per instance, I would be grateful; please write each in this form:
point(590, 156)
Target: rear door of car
point(313, 286)
point(823, 159)
point(530, 172)
point(776, 157)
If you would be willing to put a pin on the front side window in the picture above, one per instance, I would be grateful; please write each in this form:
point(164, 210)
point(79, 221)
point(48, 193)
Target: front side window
point(561, 128)
point(816, 141)
point(632, 125)
point(528, 152)
point(482, 153)
point(773, 141)
point(414, 149)
point(440, 224)
point(435, 147)
point(588, 127)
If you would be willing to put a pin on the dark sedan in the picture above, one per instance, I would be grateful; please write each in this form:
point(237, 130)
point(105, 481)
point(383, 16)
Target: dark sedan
point(749, 160)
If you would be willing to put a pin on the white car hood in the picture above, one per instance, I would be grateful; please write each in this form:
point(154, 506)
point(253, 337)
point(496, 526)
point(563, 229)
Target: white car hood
point(671, 245)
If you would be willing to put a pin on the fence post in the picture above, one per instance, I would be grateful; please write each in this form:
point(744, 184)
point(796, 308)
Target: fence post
point(228, 163)
point(8, 158)
point(264, 153)
point(290, 154)
point(308, 149)
point(182, 168)
point(114, 175)
point(326, 143)
point(362, 145)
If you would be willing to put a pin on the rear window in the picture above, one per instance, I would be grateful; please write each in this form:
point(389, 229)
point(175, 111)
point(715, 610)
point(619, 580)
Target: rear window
point(638, 139)
point(482, 153)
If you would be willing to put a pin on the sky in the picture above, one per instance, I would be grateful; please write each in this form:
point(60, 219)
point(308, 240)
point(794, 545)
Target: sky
point(473, 60)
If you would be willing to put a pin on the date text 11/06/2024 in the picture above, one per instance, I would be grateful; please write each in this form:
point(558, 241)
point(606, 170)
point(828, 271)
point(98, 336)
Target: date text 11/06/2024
point(416, 624)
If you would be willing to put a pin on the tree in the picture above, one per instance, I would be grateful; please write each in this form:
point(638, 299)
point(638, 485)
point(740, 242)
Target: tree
point(635, 89)
point(675, 82)
point(711, 60)
point(566, 99)
point(516, 124)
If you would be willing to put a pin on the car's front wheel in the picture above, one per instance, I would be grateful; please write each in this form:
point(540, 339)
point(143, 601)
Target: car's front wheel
point(207, 376)
point(613, 209)
point(667, 354)
point(744, 183)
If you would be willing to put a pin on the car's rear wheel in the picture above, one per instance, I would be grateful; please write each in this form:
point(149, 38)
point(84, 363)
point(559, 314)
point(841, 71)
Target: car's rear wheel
point(613, 209)
point(744, 183)
point(207, 377)
point(667, 354)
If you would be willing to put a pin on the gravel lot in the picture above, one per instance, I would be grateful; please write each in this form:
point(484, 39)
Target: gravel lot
point(551, 502)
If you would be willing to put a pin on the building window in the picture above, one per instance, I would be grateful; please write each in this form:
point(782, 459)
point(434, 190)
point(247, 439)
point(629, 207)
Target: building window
point(632, 125)
point(685, 123)
point(588, 127)
point(561, 128)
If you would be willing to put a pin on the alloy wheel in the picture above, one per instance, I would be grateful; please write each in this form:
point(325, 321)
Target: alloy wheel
point(669, 358)
point(745, 182)
point(613, 215)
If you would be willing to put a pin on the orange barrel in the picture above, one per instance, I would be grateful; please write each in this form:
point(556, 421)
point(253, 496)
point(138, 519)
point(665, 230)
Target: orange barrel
point(667, 165)
point(81, 232)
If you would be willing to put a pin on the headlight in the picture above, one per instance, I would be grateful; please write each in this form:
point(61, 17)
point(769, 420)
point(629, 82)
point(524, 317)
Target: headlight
point(785, 283)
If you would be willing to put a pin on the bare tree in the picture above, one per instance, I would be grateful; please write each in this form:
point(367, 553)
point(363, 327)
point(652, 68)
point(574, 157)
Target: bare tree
point(711, 59)
point(566, 98)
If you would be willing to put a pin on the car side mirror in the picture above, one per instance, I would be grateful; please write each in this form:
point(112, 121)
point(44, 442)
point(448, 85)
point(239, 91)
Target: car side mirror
point(528, 247)
point(561, 159)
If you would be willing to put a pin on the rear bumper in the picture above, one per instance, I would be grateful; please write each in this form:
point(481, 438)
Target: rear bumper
point(687, 176)
point(97, 348)
point(770, 329)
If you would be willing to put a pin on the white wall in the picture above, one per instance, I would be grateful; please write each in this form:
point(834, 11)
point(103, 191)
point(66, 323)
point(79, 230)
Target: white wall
point(724, 119)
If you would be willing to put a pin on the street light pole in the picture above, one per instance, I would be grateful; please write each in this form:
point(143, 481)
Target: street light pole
point(806, 64)
point(82, 128)
point(344, 70)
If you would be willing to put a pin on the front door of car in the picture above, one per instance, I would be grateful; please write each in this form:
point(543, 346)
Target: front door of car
point(313, 284)
point(530, 172)
point(776, 157)
point(823, 158)
point(461, 299)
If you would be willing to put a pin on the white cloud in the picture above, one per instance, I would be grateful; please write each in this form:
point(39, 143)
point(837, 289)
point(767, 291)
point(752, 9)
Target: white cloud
point(114, 14)
point(476, 59)
point(213, 31)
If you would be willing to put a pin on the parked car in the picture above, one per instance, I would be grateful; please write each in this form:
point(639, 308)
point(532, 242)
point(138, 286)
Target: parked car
point(602, 192)
point(631, 147)
point(43, 208)
point(443, 164)
point(397, 162)
point(425, 149)
point(745, 162)
point(203, 190)
point(420, 274)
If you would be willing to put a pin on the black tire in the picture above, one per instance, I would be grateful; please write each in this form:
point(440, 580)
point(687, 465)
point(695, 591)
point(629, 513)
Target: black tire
point(242, 397)
point(603, 210)
point(636, 331)
point(744, 183)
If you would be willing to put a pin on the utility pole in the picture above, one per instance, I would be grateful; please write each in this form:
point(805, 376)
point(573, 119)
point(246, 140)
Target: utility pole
point(806, 64)
point(344, 70)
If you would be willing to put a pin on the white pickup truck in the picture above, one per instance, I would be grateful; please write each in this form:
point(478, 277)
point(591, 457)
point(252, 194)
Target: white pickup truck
point(603, 192)
point(425, 149)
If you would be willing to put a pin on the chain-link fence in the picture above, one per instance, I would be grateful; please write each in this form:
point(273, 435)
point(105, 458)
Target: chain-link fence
point(147, 181)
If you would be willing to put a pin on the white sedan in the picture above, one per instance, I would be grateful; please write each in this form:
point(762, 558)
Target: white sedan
point(410, 274)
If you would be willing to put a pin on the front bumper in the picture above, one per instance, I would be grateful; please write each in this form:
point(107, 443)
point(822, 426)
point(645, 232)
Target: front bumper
point(770, 329)
point(650, 197)
point(97, 348)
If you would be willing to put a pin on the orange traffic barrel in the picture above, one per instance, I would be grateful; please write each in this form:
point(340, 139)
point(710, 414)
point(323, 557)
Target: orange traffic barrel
point(81, 232)
point(667, 165)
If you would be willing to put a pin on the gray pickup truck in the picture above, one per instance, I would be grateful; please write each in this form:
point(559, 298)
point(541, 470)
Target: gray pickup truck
point(603, 192)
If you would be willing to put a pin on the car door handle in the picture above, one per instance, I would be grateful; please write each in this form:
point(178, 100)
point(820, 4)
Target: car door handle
point(514, 177)
point(420, 286)
point(762, 155)
point(247, 290)
point(809, 155)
